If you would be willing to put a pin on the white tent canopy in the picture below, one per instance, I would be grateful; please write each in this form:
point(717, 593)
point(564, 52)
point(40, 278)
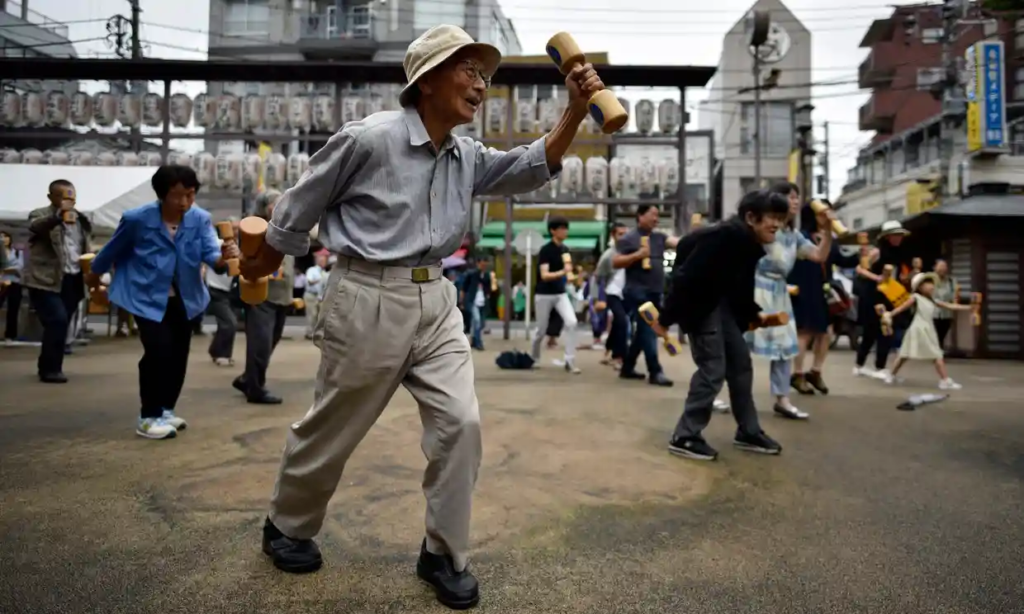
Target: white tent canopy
point(104, 192)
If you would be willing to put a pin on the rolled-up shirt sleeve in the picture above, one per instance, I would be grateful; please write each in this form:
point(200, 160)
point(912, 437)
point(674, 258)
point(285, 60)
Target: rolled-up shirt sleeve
point(322, 185)
point(521, 170)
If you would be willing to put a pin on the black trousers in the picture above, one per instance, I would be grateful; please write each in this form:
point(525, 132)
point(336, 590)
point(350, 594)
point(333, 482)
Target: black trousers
point(618, 338)
point(55, 311)
point(872, 336)
point(223, 343)
point(942, 326)
point(165, 348)
point(12, 297)
point(264, 325)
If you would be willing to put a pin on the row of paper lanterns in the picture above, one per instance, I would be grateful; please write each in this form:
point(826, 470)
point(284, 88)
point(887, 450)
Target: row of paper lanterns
point(255, 112)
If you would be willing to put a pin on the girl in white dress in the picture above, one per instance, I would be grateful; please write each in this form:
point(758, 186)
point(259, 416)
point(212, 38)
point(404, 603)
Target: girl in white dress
point(921, 341)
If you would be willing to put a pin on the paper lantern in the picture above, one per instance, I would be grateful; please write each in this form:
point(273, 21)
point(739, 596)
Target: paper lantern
point(323, 114)
point(150, 158)
point(621, 177)
point(10, 109)
point(129, 110)
point(668, 116)
point(597, 177)
point(33, 109)
point(104, 109)
point(570, 182)
point(252, 165)
point(81, 109)
point(275, 168)
point(549, 110)
point(179, 158)
point(10, 156)
point(31, 156)
point(644, 116)
point(153, 109)
point(181, 110)
point(106, 158)
point(668, 176)
point(276, 112)
point(300, 113)
point(205, 165)
point(625, 105)
point(56, 157)
point(496, 116)
point(127, 158)
point(526, 116)
point(351, 109)
point(203, 111)
point(297, 165)
point(253, 111)
point(228, 172)
point(647, 176)
point(228, 113)
point(58, 108)
point(82, 158)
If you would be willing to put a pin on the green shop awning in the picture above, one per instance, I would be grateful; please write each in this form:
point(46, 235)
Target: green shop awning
point(578, 243)
point(577, 229)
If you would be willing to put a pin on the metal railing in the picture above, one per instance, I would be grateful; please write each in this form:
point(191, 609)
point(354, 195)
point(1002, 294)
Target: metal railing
point(354, 23)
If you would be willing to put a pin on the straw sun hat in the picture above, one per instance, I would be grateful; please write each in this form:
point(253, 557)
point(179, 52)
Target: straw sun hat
point(920, 278)
point(434, 47)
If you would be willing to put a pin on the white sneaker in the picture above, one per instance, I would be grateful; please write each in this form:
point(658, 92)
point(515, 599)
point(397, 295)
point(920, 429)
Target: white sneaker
point(224, 362)
point(179, 424)
point(721, 406)
point(949, 384)
point(571, 367)
point(883, 375)
point(863, 372)
point(155, 428)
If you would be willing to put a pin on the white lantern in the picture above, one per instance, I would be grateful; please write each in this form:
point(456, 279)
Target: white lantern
point(203, 111)
point(597, 177)
point(106, 158)
point(10, 156)
point(10, 109)
point(496, 116)
point(56, 157)
point(82, 158)
point(129, 110)
point(625, 105)
point(647, 177)
point(33, 109)
point(276, 112)
point(549, 110)
point(150, 158)
point(104, 108)
point(644, 116)
point(300, 113)
point(526, 116)
point(58, 108)
point(179, 158)
point(127, 158)
point(323, 114)
point(668, 116)
point(229, 113)
point(228, 172)
point(81, 109)
point(181, 110)
point(31, 156)
point(275, 169)
point(153, 109)
point(253, 111)
point(668, 176)
point(252, 164)
point(351, 109)
point(205, 165)
point(570, 182)
point(621, 177)
point(297, 165)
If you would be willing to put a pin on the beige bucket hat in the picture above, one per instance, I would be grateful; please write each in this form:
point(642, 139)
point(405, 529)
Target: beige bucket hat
point(434, 47)
point(892, 227)
point(920, 278)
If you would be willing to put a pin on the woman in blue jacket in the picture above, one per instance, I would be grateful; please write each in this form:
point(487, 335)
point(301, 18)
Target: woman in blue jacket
point(158, 250)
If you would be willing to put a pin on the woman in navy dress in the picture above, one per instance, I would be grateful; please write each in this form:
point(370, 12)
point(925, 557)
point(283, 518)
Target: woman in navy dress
point(810, 306)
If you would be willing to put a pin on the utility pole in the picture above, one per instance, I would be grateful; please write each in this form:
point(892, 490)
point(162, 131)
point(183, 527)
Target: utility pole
point(138, 87)
point(757, 120)
point(952, 100)
point(824, 166)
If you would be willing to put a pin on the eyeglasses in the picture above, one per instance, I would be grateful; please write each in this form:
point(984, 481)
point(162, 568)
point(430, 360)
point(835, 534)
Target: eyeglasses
point(474, 71)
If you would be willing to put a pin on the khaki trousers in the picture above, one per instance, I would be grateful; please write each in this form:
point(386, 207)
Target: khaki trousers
point(378, 329)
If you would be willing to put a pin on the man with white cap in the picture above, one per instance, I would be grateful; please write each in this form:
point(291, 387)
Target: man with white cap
point(392, 196)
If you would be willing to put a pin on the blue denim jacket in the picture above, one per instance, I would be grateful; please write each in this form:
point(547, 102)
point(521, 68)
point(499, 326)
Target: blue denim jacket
point(147, 259)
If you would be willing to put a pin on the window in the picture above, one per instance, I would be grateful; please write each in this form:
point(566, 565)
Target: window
point(747, 184)
point(1019, 29)
point(927, 77)
point(858, 223)
point(931, 36)
point(246, 17)
point(776, 129)
point(894, 213)
point(430, 13)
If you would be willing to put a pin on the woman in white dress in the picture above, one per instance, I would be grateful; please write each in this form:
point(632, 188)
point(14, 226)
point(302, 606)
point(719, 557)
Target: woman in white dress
point(921, 341)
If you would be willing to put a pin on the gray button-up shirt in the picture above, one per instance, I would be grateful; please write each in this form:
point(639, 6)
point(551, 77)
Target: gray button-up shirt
point(381, 191)
point(72, 248)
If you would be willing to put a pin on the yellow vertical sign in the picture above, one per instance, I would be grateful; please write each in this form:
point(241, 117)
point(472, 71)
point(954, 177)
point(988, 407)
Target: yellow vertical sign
point(794, 167)
point(264, 152)
point(975, 90)
point(973, 126)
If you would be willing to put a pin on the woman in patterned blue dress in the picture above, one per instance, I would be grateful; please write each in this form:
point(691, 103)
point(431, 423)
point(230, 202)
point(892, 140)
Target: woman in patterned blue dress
point(780, 343)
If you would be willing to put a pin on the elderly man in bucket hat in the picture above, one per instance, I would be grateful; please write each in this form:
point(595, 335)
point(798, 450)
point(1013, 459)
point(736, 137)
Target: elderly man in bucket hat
point(392, 196)
point(889, 252)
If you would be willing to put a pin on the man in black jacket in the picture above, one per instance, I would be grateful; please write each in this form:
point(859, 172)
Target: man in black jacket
point(712, 301)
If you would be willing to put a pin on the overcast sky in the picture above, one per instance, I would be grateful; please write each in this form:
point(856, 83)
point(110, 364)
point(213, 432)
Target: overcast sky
point(660, 32)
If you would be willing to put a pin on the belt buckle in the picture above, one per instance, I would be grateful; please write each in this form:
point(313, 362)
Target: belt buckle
point(421, 275)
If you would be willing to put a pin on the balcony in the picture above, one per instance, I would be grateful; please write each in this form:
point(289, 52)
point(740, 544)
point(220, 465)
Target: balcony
point(332, 34)
point(870, 76)
point(872, 119)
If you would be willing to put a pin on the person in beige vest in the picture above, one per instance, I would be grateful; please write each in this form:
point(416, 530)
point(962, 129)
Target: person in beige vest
point(392, 194)
point(264, 323)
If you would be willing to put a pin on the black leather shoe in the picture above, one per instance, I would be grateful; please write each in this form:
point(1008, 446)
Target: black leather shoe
point(659, 379)
point(291, 555)
point(456, 590)
point(265, 399)
point(631, 375)
point(53, 378)
point(239, 385)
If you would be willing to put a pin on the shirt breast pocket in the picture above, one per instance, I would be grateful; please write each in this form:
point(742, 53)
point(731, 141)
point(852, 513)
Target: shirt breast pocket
point(189, 247)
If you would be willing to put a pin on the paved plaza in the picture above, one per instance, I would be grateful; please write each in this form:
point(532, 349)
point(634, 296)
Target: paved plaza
point(579, 508)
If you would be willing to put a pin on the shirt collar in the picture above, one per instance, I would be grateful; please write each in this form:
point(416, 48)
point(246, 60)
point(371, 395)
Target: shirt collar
point(418, 136)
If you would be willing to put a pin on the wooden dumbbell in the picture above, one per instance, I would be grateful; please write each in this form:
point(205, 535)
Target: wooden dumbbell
point(604, 107)
point(885, 319)
point(645, 242)
point(819, 207)
point(69, 216)
point(793, 290)
point(567, 261)
point(226, 231)
point(768, 320)
point(865, 259)
point(252, 233)
point(976, 308)
point(696, 221)
point(650, 314)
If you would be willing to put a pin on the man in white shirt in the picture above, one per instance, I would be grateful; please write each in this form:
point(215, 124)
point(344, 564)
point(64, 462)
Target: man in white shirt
point(223, 343)
point(614, 281)
point(316, 277)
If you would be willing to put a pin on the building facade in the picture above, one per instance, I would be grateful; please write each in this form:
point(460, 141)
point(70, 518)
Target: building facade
point(25, 33)
point(729, 110)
